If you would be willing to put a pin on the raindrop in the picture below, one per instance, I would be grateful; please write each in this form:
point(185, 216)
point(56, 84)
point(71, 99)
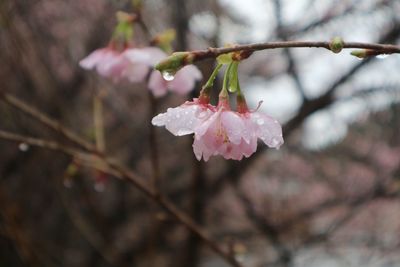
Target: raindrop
point(276, 142)
point(168, 76)
point(260, 121)
point(382, 56)
point(23, 147)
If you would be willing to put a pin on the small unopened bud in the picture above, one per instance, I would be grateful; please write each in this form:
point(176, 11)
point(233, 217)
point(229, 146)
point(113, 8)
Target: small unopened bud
point(164, 40)
point(125, 17)
point(336, 45)
point(359, 53)
point(174, 62)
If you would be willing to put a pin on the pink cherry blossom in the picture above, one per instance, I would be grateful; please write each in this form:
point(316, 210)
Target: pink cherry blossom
point(134, 64)
point(108, 63)
point(184, 119)
point(234, 135)
point(183, 82)
point(225, 133)
point(142, 60)
point(266, 128)
point(221, 131)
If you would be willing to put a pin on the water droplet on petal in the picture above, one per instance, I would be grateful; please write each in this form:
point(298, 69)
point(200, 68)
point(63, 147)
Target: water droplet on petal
point(184, 132)
point(23, 147)
point(167, 75)
point(276, 142)
point(260, 121)
point(382, 56)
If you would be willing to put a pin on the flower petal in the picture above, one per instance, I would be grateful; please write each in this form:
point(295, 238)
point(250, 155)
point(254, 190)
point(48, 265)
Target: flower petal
point(93, 58)
point(233, 126)
point(157, 84)
point(181, 120)
point(200, 150)
point(147, 55)
point(136, 72)
point(185, 79)
point(202, 129)
point(268, 129)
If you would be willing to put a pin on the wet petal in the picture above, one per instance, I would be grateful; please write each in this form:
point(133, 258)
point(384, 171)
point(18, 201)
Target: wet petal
point(180, 120)
point(202, 128)
point(233, 126)
point(268, 129)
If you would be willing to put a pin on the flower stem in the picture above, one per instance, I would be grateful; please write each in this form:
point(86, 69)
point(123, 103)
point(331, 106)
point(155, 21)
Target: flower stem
point(209, 84)
point(224, 90)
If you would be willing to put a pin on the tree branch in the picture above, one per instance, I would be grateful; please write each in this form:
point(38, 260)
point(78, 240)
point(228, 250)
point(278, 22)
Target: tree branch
point(212, 52)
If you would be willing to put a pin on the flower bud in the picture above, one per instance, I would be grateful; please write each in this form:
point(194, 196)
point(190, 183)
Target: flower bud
point(359, 53)
point(336, 45)
point(174, 62)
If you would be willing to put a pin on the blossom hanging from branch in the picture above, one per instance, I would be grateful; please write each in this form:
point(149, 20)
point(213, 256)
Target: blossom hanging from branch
point(122, 61)
point(218, 130)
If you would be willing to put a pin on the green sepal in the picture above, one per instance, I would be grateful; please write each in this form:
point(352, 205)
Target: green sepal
point(174, 62)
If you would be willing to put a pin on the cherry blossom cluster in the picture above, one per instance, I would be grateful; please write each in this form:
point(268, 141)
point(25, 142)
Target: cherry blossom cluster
point(218, 130)
point(122, 61)
point(133, 65)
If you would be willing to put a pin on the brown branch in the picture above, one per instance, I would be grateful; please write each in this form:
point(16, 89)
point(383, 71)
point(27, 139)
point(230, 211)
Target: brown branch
point(154, 155)
point(213, 52)
point(43, 118)
point(40, 143)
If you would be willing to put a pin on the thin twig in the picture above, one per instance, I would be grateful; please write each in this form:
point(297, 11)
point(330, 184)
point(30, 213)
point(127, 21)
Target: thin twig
point(43, 118)
point(40, 143)
point(98, 121)
point(213, 52)
point(155, 162)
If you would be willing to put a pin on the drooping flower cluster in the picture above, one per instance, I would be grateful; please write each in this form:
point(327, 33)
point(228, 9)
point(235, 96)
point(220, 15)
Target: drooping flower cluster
point(134, 64)
point(220, 131)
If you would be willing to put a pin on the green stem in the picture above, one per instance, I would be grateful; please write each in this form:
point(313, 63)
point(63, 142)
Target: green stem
point(209, 84)
point(224, 91)
point(233, 77)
